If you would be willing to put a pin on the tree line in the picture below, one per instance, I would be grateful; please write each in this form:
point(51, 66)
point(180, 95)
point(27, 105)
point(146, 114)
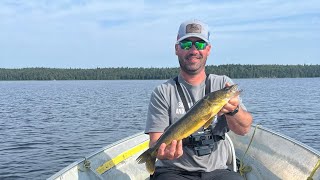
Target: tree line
point(231, 70)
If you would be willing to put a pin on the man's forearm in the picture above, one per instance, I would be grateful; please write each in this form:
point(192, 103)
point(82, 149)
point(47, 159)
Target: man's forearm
point(240, 123)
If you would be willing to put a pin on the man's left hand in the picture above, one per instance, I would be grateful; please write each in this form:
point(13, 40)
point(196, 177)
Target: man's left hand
point(232, 104)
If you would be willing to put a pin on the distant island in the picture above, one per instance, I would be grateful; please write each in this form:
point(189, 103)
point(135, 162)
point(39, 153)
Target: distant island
point(231, 70)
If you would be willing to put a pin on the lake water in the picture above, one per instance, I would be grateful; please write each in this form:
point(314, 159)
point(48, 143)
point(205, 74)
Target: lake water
point(47, 125)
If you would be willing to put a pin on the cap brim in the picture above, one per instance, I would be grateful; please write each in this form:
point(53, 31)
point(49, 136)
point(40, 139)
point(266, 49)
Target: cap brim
point(193, 35)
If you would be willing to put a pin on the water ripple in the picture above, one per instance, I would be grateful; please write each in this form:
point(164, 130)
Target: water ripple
point(46, 125)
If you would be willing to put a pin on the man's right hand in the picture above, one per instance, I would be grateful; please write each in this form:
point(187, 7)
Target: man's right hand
point(172, 151)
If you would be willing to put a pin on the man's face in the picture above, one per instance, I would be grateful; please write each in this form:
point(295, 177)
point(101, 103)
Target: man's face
point(192, 61)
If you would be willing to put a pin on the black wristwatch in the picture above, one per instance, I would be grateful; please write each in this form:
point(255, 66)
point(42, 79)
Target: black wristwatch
point(233, 112)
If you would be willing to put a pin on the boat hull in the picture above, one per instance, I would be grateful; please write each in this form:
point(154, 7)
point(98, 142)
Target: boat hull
point(271, 156)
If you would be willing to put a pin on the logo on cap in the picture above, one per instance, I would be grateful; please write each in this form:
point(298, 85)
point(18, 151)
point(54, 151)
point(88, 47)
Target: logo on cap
point(193, 28)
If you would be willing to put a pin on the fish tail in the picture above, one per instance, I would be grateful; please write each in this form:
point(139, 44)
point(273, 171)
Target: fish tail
point(148, 158)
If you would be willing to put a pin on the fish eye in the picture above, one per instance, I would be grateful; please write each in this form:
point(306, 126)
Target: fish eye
point(228, 88)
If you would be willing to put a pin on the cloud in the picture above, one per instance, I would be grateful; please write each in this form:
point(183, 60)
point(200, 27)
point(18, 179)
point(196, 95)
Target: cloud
point(98, 29)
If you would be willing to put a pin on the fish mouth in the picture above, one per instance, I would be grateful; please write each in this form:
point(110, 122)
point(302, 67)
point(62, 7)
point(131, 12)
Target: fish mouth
point(233, 87)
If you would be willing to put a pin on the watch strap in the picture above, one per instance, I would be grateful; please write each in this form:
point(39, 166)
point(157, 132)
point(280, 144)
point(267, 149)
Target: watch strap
point(235, 111)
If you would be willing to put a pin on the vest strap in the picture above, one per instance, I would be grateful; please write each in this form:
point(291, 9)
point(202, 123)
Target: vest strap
point(182, 95)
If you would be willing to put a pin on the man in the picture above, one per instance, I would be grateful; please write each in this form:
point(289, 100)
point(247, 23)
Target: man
point(187, 159)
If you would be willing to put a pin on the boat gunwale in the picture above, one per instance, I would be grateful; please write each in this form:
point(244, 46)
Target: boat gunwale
point(72, 165)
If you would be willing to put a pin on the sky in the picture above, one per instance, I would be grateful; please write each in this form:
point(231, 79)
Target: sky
point(103, 33)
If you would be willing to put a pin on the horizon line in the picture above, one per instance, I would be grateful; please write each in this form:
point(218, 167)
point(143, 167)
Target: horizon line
point(39, 67)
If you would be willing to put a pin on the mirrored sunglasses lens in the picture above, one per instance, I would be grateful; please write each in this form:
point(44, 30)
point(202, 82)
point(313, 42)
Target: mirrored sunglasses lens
point(186, 45)
point(200, 45)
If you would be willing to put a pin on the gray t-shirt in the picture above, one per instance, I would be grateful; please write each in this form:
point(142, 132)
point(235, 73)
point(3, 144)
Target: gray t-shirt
point(166, 107)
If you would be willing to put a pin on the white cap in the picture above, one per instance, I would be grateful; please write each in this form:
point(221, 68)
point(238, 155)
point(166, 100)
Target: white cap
point(194, 28)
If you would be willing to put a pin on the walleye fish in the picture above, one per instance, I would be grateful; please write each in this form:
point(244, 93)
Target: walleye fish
point(201, 114)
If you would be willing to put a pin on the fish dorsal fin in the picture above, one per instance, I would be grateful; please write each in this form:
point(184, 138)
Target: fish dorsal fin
point(209, 122)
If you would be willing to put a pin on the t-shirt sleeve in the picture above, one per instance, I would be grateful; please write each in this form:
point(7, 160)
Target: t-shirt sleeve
point(158, 112)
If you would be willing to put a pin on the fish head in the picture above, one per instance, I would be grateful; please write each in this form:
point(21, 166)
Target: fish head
point(224, 94)
point(232, 90)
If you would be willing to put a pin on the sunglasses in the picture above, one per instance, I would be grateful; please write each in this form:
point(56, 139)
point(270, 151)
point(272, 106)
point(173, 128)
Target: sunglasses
point(187, 44)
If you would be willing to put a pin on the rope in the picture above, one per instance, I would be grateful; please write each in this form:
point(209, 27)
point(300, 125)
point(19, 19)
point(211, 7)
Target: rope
point(245, 169)
point(314, 170)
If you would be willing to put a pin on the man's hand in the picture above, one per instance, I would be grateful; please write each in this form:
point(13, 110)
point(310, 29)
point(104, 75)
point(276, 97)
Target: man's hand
point(240, 123)
point(231, 105)
point(172, 151)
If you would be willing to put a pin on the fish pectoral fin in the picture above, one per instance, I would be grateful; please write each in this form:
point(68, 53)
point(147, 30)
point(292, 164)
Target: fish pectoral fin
point(209, 122)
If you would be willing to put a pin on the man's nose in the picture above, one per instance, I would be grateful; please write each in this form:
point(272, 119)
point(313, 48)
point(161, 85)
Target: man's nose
point(193, 49)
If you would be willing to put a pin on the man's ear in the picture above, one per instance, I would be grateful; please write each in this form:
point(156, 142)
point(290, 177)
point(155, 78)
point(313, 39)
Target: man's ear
point(176, 49)
point(209, 49)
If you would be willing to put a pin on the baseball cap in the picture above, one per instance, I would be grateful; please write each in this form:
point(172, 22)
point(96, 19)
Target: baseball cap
point(194, 28)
